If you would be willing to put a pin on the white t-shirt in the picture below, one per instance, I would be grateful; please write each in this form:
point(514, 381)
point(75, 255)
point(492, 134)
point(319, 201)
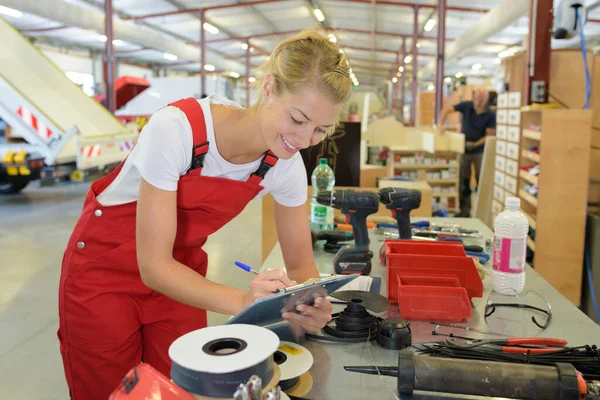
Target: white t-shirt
point(163, 153)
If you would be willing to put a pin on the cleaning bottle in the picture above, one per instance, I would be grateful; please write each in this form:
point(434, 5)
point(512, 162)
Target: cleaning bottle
point(510, 246)
point(323, 178)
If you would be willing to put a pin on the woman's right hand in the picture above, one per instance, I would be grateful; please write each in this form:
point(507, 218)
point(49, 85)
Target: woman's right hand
point(265, 284)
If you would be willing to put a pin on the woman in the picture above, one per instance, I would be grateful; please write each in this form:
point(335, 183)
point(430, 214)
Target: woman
point(133, 273)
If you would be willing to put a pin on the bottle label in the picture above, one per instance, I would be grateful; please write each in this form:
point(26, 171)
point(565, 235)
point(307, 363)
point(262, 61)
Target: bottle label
point(509, 255)
point(319, 214)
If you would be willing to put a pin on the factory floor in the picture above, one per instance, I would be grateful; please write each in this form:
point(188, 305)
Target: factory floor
point(35, 226)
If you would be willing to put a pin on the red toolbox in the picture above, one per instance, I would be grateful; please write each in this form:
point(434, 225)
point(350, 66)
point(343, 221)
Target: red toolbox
point(431, 280)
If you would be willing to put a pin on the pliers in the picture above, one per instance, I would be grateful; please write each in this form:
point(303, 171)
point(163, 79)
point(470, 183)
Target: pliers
point(514, 345)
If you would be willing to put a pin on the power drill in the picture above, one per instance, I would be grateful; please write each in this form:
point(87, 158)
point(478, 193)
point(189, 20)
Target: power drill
point(401, 201)
point(357, 206)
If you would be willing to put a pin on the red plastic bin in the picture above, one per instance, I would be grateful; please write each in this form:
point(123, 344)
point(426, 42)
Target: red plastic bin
point(430, 298)
point(430, 259)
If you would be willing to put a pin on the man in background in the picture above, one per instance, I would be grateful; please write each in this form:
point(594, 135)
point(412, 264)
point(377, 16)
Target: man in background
point(478, 122)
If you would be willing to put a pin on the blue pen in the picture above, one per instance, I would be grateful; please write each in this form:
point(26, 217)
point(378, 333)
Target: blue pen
point(246, 268)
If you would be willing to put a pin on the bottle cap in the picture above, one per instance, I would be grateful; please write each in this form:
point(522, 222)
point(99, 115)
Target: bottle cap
point(323, 161)
point(512, 202)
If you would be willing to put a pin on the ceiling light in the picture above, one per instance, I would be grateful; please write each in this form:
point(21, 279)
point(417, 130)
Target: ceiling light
point(332, 38)
point(352, 75)
point(459, 75)
point(447, 79)
point(252, 79)
point(407, 59)
point(154, 94)
point(251, 49)
point(319, 14)
point(350, 71)
point(429, 25)
point(118, 42)
point(102, 38)
point(341, 51)
point(234, 74)
point(245, 46)
point(394, 79)
point(11, 12)
point(401, 68)
point(509, 52)
point(210, 28)
point(209, 67)
point(398, 74)
point(418, 45)
point(430, 87)
point(476, 67)
point(171, 57)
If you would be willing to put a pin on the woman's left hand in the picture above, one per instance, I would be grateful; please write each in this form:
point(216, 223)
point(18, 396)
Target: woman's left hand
point(311, 318)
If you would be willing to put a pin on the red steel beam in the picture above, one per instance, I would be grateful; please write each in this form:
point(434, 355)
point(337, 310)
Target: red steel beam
point(403, 79)
point(197, 10)
point(413, 103)
point(202, 53)
point(54, 28)
point(413, 5)
point(439, 73)
point(109, 58)
point(538, 51)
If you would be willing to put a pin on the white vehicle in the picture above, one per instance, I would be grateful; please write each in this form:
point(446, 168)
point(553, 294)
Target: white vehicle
point(53, 123)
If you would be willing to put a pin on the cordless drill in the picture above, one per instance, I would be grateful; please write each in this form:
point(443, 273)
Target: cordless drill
point(357, 206)
point(401, 202)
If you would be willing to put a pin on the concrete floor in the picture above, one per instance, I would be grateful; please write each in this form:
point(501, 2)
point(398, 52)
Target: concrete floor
point(35, 226)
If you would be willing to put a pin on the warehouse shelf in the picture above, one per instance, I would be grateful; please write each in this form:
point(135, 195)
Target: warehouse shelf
point(563, 174)
point(533, 135)
point(528, 177)
point(441, 181)
point(529, 198)
point(425, 166)
point(530, 220)
point(453, 195)
point(530, 155)
point(530, 243)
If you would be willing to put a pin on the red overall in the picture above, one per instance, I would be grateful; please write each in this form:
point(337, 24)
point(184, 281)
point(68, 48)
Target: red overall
point(110, 320)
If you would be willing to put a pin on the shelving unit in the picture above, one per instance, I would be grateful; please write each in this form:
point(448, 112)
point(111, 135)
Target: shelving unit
point(508, 120)
point(557, 214)
point(443, 177)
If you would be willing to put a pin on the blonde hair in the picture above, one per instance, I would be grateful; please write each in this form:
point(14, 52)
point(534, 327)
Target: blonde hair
point(309, 58)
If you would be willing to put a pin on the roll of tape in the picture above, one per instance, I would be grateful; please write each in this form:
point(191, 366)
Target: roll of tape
point(213, 361)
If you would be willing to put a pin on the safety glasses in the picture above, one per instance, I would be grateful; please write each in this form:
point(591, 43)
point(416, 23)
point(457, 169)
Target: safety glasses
point(511, 309)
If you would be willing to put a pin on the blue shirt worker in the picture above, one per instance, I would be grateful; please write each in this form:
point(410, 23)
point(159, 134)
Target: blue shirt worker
point(478, 122)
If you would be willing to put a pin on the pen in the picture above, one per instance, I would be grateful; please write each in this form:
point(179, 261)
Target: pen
point(246, 268)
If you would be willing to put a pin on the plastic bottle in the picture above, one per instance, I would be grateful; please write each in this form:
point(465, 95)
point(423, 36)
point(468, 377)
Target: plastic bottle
point(323, 178)
point(510, 246)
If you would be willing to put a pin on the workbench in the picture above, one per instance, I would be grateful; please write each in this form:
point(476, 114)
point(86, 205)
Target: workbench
point(331, 381)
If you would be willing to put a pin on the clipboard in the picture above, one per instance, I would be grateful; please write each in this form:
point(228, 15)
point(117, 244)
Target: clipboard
point(268, 310)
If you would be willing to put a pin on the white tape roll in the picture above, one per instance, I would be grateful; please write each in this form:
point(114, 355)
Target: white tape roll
point(293, 360)
point(213, 361)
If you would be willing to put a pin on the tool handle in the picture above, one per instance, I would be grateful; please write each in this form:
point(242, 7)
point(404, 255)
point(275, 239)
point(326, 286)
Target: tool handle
point(403, 221)
point(360, 230)
point(538, 341)
point(525, 350)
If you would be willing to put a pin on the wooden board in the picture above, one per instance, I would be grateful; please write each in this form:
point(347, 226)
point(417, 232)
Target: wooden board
point(425, 109)
point(561, 212)
point(369, 174)
point(485, 191)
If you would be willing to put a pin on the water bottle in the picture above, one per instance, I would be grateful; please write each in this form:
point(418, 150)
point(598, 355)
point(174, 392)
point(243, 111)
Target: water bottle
point(323, 178)
point(510, 246)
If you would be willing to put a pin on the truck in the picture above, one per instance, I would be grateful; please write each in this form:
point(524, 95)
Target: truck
point(53, 129)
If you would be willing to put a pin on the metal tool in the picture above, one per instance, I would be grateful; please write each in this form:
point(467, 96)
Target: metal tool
point(242, 392)
point(332, 239)
point(357, 206)
point(484, 378)
point(510, 345)
point(466, 328)
point(401, 202)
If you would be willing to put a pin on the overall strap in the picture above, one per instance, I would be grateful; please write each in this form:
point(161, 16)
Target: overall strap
point(193, 111)
point(269, 160)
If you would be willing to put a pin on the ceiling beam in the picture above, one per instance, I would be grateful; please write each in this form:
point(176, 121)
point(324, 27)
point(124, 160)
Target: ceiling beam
point(198, 10)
